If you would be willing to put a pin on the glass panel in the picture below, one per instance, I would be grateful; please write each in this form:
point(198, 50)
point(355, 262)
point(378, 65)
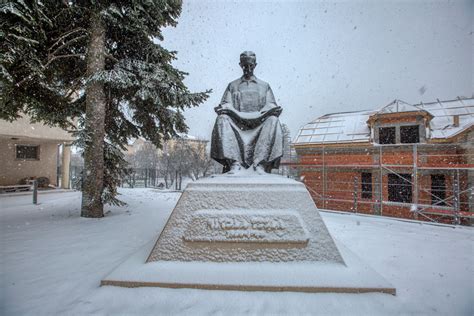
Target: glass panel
point(399, 188)
point(438, 189)
point(366, 185)
point(27, 152)
point(409, 134)
point(387, 135)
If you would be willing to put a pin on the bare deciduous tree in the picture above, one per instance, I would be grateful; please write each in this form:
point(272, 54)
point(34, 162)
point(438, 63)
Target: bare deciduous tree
point(179, 157)
point(146, 157)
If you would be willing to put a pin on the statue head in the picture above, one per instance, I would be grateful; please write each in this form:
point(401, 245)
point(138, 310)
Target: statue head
point(248, 61)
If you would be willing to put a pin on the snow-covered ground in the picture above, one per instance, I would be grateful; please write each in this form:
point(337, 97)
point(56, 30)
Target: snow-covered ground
point(52, 260)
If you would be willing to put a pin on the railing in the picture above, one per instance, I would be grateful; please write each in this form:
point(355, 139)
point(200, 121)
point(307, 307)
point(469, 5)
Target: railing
point(136, 178)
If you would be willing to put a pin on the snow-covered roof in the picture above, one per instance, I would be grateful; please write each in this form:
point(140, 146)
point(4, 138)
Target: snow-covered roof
point(443, 111)
point(336, 128)
point(350, 127)
point(398, 106)
point(186, 136)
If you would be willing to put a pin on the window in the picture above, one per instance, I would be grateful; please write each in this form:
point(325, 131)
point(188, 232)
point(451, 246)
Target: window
point(399, 188)
point(366, 185)
point(438, 189)
point(27, 152)
point(387, 135)
point(409, 134)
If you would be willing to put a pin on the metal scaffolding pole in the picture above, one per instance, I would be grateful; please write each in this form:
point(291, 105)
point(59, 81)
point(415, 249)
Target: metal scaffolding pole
point(324, 180)
point(415, 173)
point(355, 194)
point(381, 180)
point(457, 220)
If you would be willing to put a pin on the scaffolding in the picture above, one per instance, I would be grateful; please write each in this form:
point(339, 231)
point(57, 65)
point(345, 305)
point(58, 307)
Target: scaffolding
point(437, 179)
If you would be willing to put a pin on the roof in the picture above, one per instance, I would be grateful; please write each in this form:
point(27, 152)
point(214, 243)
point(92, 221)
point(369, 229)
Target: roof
point(398, 106)
point(187, 136)
point(350, 127)
point(23, 128)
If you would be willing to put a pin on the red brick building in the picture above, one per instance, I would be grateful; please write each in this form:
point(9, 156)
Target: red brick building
point(403, 160)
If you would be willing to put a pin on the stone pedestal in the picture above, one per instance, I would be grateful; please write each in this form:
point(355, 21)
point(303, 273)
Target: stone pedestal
point(245, 219)
point(247, 233)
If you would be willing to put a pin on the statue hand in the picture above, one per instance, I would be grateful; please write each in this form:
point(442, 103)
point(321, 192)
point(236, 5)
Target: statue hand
point(277, 111)
point(221, 111)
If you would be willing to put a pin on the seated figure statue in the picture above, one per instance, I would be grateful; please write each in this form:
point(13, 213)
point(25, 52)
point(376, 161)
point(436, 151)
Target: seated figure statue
point(247, 132)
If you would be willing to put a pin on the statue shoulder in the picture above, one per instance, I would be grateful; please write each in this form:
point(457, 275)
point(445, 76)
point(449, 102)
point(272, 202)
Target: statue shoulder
point(234, 84)
point(263, 83)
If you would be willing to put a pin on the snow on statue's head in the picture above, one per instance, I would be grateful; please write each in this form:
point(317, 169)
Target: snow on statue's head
point(248, 56)
point(248, 61)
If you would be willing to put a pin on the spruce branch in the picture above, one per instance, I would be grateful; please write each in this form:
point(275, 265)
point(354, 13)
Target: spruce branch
point(69, 42)
point(111, 57)
point(53, 58)
point(64, 36)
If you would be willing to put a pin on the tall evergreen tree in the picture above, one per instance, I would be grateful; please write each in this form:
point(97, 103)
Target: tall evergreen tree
point(96, 63)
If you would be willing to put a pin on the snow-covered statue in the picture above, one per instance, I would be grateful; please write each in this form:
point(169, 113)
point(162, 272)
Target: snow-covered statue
point(247, 132)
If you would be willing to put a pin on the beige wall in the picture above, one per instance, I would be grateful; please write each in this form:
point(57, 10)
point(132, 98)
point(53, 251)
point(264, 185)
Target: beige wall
point(12, 169)
point(24, 128)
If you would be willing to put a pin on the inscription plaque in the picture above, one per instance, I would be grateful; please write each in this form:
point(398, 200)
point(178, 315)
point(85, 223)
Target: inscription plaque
point(255, 226)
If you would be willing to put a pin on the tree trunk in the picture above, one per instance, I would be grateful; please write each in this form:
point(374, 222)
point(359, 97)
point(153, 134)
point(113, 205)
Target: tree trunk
point(92, 204)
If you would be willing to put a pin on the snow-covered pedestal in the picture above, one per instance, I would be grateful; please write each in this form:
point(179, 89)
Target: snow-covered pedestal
point(264, 218)
point(247, 232)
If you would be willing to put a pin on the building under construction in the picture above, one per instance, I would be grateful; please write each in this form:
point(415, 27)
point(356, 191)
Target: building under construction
point(403, 160)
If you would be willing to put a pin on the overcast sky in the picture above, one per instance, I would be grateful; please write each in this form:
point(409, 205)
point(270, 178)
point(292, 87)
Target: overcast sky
point(323, 57)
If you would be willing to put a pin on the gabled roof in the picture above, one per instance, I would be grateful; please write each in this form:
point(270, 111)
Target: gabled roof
point(397, 106)
point(351, 127)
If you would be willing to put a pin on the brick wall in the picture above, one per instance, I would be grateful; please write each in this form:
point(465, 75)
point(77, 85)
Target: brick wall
point(330, 179)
